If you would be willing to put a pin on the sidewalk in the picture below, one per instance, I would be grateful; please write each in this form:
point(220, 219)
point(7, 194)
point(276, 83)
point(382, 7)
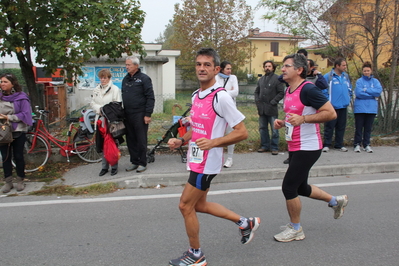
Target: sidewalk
point(168, 170)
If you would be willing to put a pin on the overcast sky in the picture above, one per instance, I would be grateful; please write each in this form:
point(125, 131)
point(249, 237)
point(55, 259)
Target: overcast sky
point(158, 14)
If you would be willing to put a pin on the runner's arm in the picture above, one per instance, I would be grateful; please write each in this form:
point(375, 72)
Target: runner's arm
point(175, 143)
point(238, 134)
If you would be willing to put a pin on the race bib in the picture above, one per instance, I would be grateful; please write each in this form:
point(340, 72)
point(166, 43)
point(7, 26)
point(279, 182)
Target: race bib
point(288, 131)
point(196, 154)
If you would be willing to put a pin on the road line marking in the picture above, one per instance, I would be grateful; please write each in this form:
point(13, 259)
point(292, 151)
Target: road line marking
point(177, 195)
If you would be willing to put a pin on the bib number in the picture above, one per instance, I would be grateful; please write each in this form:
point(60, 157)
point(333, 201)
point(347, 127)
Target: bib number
point(289, 129)
point(196, 154)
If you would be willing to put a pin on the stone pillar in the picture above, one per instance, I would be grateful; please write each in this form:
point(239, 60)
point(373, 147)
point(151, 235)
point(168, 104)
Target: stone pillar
point(153, 68)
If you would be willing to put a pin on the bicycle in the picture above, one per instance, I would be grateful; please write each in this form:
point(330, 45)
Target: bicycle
point(38, 142)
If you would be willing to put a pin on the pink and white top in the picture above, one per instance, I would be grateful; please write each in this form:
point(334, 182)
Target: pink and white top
point(305, 137)
point(211, 111)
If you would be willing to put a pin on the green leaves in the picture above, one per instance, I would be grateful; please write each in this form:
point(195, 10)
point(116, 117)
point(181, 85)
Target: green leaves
point(68, 32)
point(221, 24)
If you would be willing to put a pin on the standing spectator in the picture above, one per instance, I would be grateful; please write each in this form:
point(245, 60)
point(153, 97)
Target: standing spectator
point(339, 93)
point(14, 107)
point(138, 102)
point(315, 76)
point(212, 109)
point(230, 83)
point(268, 93)
point(103, 94)
point(305, 106)
point(303, 52)
point(367, 91)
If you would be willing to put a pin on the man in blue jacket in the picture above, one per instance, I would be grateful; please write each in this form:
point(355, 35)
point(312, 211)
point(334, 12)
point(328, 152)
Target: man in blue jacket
point(339, 94)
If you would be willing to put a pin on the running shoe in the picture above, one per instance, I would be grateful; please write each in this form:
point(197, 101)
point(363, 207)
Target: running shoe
point(289, 234)
point(188, 259)
point(343, 149)
point(228, 163)
point(368, 149)
point(339, 208)
point(357, 148)
point(247, 233)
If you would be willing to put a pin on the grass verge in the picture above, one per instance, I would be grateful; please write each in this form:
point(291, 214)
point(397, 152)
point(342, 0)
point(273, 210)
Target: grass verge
point(64, 190)
point(51, 171)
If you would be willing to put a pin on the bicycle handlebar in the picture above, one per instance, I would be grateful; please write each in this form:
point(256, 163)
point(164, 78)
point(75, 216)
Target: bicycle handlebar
point(41, 112)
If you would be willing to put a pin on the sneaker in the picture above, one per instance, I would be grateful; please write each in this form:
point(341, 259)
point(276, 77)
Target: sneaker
point(141, 168)
point(262, 150)
point(228, 163)
point(274, 152)
point(339, 209)
point(189, 259)
point(286, 161)
point(248, 232)
point(343, 149)
point(132, 167)
point(368, 149)
point(357, 148)
point(289, 234)
point(325, 149)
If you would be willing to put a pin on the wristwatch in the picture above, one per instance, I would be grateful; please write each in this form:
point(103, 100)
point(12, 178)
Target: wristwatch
point(182, 140)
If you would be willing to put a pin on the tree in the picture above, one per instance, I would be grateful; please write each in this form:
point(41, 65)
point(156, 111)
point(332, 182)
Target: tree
point(67, 33)
point(358, 30)
point(167, 36)
point(220, 24)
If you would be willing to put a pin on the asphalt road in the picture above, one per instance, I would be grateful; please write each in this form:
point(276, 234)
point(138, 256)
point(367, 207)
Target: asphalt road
point(144, 226)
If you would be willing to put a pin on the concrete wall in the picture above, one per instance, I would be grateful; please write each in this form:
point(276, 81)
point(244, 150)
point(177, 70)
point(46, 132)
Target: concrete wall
point(158, 64)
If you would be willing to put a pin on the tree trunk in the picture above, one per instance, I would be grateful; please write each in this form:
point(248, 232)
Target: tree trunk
point(376, 36)
point(29, 76)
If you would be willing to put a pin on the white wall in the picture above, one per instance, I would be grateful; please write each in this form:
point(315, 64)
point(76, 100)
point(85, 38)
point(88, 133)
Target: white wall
point(159, 64)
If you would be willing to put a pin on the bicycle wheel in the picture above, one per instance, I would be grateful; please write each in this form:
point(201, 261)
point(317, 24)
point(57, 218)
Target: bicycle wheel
point(37, 156)
point(85, 148)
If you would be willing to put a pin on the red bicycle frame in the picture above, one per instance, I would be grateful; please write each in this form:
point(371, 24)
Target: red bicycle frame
point(66, 146)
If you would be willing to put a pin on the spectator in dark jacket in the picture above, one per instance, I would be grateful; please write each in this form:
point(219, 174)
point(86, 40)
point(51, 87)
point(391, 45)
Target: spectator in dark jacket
point(268, 93)
point(315, 76)
point(138, 102)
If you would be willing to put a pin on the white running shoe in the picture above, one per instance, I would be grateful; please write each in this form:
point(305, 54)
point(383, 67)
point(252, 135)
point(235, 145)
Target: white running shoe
point(325, 149)
point(228, 163)
point(289, 234)
point(339, 209)
point(357, 148)
point(368, 149)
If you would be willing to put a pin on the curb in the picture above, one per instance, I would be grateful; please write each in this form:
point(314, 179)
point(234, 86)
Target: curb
point(179, 179)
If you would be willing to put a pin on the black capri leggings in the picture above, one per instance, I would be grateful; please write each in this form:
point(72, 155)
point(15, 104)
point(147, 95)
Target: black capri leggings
point(296, 178)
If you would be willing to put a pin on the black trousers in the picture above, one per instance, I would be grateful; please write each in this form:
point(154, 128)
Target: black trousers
point(14, 150)
point(295, 181)
point(339, 125)
point(136, 138)
point(364, 124)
